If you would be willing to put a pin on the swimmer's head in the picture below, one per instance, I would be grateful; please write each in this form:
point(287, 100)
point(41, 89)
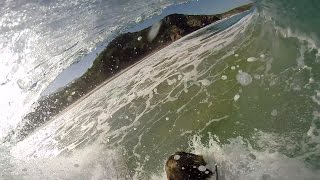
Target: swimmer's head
point(187, 166)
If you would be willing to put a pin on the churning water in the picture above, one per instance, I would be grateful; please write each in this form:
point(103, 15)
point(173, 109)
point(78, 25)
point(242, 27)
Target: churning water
point(243, 92)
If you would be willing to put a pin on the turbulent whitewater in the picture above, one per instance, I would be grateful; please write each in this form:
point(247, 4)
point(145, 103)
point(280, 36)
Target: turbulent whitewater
point(243, 92)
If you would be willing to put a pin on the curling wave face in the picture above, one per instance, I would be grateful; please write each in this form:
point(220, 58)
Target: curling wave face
point(243, 92)
point(39, 39)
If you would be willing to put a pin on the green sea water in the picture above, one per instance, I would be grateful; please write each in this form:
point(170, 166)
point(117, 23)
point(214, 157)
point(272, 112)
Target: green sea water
point(244, 93)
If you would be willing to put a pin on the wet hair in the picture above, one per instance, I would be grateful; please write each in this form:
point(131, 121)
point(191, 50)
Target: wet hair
point(187, 166)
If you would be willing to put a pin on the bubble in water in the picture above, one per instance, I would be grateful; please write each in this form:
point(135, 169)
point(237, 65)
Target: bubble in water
point(202, 168)
point(167, 119)
point(244, 78)
point(139, 38)
point(233, 67)
point(252, 59)
point(224, 77)
point(257, 76)
point(262, 56)
point(176, 157)
point(274, 112)
point(236, 97)
point(236, 55)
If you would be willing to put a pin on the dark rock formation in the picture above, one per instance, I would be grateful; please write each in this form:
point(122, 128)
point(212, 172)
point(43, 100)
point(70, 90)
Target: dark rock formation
point(122, 52)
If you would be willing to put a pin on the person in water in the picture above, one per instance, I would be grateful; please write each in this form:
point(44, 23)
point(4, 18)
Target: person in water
point(188, 166)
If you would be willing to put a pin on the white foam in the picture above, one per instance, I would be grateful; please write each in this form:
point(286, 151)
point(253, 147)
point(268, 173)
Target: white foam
point(238, 160)
point(92, 162)
point(289, 33)
point(205, 82)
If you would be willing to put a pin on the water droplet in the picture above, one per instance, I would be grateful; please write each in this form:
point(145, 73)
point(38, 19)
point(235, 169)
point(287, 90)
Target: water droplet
point(252, 59)
point(274, 112)
point(244, 78)
point(236, 97)
point(202, 168)
point(154, 31)
point(176, 157)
